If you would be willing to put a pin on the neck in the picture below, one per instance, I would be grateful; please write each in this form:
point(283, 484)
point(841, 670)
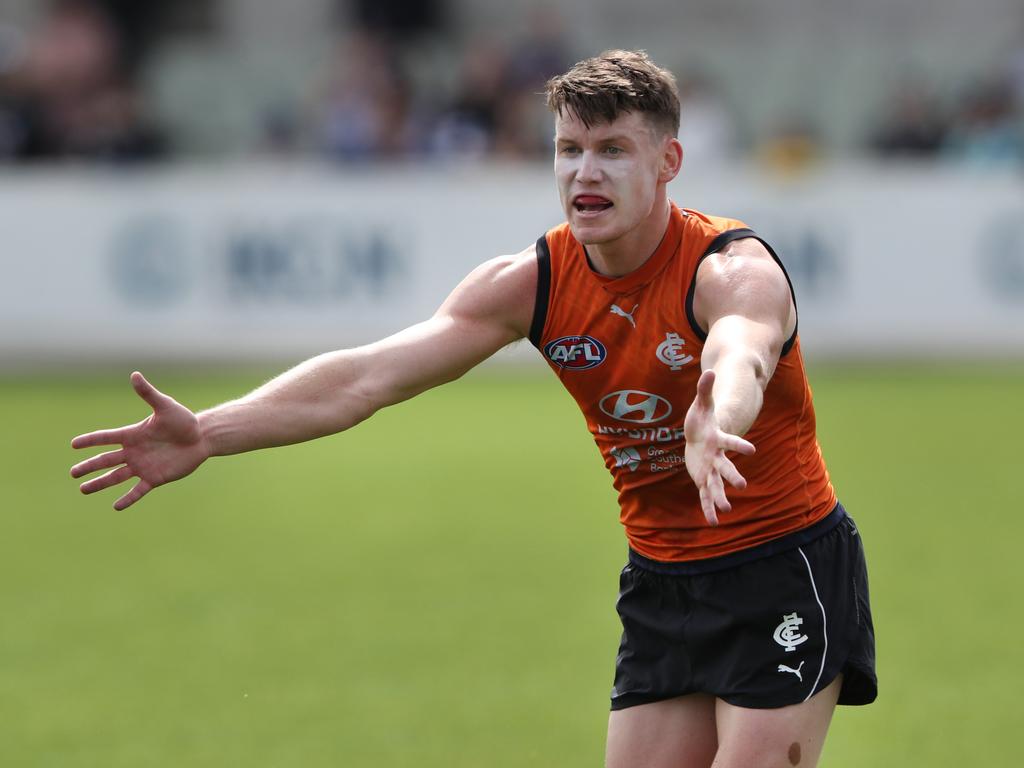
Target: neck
point(628, 253)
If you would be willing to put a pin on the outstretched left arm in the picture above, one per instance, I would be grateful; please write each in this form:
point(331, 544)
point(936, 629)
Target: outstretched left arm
point(743, 300)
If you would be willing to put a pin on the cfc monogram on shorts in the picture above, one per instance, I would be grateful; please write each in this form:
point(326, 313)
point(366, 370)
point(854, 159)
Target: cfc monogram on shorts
point(787, 634)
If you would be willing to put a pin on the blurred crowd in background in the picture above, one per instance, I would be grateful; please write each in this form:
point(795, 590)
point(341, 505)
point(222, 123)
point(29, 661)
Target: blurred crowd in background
point(82, 83)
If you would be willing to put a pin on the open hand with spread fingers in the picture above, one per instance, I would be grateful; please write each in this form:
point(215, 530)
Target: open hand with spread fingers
point(165, 446)
point(706, 445)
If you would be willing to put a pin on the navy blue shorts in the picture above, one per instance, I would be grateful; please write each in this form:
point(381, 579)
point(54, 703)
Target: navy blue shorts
point(765, 633)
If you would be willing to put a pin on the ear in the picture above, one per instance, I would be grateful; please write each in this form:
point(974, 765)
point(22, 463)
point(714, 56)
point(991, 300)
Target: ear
point(671, 160)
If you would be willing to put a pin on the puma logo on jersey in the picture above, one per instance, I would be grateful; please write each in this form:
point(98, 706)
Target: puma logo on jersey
point(617, 310)
point(784, 668)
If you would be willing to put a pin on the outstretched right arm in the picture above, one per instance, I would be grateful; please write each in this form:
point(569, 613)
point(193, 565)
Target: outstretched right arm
point(332, 392)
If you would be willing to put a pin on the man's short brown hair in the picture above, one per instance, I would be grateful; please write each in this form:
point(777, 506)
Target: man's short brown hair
point(601, 89)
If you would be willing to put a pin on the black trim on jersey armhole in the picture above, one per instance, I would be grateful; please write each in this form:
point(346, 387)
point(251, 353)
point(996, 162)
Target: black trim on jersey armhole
point(718, 244)
point(540, 306)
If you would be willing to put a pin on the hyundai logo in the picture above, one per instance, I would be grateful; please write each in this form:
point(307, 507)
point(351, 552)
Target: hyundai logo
point(635, 406)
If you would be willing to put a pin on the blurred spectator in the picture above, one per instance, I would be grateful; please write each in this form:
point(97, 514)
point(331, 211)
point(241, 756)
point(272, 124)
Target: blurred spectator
point(467, 127)
point(68, 95)
point(912, 124)
point(396, 19)
point(524, 124)
point(985, 129)
point(543, 53)
point(12, 48)
point(498, 108)
point(366, 112)
point(281, 131)
point(1015, 65)
point(792, 148)
point(706, 127)
point(12, 119)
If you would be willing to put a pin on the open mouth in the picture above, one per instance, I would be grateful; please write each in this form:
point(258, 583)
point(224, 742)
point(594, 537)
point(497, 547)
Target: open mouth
point(591, 203)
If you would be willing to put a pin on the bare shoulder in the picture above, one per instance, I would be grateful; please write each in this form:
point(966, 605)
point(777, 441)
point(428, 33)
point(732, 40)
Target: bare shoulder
point(743, 279)
point(501, 290)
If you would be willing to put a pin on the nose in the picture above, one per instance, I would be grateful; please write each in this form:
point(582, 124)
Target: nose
point(588, 170)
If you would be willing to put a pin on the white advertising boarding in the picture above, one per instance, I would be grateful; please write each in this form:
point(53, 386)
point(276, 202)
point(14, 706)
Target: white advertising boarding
point(272, 263)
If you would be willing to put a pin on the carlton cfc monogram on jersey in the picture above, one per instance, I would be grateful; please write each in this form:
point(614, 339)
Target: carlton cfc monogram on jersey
point(628, 350)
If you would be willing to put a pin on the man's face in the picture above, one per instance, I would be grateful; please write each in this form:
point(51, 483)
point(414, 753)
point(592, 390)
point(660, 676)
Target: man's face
point(607, 174)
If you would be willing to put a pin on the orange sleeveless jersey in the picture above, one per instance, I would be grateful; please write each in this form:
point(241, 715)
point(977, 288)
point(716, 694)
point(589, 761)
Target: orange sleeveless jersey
point(628, 350)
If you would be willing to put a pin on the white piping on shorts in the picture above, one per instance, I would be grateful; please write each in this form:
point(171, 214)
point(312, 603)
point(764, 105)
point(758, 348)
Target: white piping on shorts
point(824, 622)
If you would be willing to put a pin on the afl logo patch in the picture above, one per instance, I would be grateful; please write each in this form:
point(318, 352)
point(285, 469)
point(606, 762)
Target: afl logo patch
point(636, 406)
point(576, 353)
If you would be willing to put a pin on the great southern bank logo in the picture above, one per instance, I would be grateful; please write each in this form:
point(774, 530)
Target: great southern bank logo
point(635, 406)
point(576, 352)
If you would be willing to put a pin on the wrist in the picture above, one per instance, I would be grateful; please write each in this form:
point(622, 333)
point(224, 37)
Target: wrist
point(211, 435)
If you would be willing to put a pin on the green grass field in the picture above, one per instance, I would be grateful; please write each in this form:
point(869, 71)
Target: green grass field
point(436, 587)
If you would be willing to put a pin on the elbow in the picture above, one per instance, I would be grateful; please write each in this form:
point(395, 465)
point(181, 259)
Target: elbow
point(361, 401)
point(761, 370)
point(747, 365)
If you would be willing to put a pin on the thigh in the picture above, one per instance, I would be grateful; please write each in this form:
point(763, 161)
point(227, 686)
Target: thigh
point(784, 737)
point(664, 734)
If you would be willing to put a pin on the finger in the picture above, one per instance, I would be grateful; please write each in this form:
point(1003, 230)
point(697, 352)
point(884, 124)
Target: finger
point(153, 396)
point(736, 443)
point(113, 477)
point(705, 384)
point(717, 490)
point(141, 489)
point(730, 474)
point(101, 437)
point(102, 461)
point(708, 506)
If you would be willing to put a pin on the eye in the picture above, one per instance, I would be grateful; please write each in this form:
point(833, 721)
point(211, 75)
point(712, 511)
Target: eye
point(570, 150)
point(613, 151)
